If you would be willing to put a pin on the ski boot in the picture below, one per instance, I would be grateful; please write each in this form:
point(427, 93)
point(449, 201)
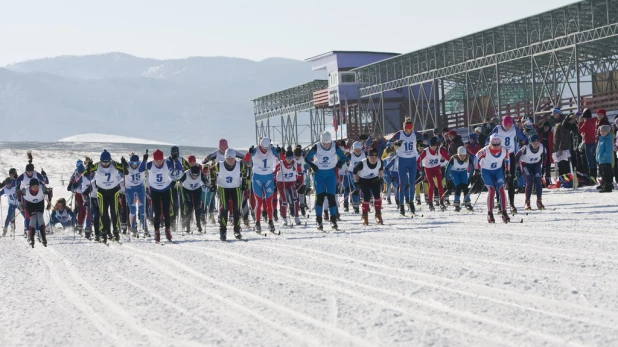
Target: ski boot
point(346, 207)
point(457, 206)
point(43, 237)
point(26, 234)
point(505, 217)
point(442, 206)
point(258, 227)
point(431, 208)
point(97, 237)
point(116, 236)
point(109, 235)
point(4, 231)
point(513, 210)
point(333, 223)
point(379, 218)
point(79, 229)
point(199, 229)
point(123, 227)
point(31, 238)
point(356, 210)
point(168, 234)
point(447, 202)
point(285, 221)
point(223, 234)
point(469, 206)
point(412, 208)
point(318, 221)
point(527, 206)
point(388, 200)
point(134, 232)
point(402, 210)
point(297, 220)
point(146, 233)
point(490, 217)
point(275, 215)
point(539, 204)
point(245, 222)
point(365, 218)
point(418, 200)
point(271, 226)
point(237, 234)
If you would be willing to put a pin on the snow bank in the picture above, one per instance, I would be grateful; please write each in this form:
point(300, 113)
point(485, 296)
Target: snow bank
point(105, 138)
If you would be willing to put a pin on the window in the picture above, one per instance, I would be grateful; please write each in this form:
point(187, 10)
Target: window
point(348, 77)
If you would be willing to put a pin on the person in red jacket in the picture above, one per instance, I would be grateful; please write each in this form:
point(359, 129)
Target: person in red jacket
point(429, 160)
point(587, 129)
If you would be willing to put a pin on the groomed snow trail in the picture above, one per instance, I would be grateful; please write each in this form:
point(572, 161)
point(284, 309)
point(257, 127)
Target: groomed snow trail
point(446, 279)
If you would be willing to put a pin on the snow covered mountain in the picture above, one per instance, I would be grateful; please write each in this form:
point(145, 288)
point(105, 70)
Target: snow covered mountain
point(104, 138)
point(189, 101)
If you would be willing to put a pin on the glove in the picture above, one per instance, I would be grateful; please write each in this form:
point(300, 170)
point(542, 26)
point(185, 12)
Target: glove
point(48, 206)
point(123, 161)
point(43, 173)
point(398, 143)
point(89, 166)
point(145, 157)
point(251, 149)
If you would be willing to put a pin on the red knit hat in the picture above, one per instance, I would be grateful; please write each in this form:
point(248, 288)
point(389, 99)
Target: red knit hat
point(602, 111)
point(157, 155)
point(191, 159)
point(452, 133)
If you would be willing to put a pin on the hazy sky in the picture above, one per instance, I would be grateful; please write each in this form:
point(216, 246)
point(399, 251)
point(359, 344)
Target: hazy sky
point(253, 29)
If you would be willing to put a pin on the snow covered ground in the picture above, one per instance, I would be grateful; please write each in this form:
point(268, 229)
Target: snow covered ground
point(447, 279)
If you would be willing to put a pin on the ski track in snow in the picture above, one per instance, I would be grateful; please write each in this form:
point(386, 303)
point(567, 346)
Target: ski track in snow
point(445, 279)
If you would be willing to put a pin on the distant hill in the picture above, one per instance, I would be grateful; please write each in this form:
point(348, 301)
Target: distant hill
point(193, 101)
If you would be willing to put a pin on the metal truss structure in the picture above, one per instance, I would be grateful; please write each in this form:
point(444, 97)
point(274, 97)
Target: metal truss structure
point(521, 68)
point(287, 105)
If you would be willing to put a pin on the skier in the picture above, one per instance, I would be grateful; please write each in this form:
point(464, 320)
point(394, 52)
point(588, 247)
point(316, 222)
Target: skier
point(180, 165)
point(406, 140)
point(107, 177)
point(192, 181)
point(353, 158)
point(80, 186)
point(32, 202)
point(230, 176)
point(289, 177)
point(216, 156)
point(9, 189)
point(24, 179)
point(459, 171)
point(492, 160)
point(531, 159)
point(510, 137)
point(61, 215)
point(263, 158)
point(302, 189)
point(392, 170)
point(323, 158)
point(160, 181)
point(368, 177)
point(135, 192)
point(429, 162)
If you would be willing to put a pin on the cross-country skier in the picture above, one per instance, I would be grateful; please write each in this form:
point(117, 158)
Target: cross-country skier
point(180, 165)
point(160, 182)
point(299, 159)
point(33, 205)
point(24, 179)
point(135, 191)
point(492, 160)
point(323, 158)
point(459, 171)
point(531, 158)
point(263, 158)
point(510, 137)
point(354, 157)
point(429, 162)
point(368, 178)
point(79, 185)
point(107, 177)
point(230, 176)
point(289, 177)
point(61, 214)
point(192, 181)
point(9, 189)
point(407, 153)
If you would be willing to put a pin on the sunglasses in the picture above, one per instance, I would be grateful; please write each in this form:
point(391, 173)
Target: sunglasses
point(106, 163)
point(495, 144)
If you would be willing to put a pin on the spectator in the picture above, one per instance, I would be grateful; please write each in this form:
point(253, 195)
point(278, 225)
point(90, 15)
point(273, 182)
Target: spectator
point(563, 143)
point(615, 131)
point(481, 137)
point(605, 158)
point(601, 120)
point(487, 127)
point(455, 142)
point(587, 128)
point(377, 142)
point(473, 145)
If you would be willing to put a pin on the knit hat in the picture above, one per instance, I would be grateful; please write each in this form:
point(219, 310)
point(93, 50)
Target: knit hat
point(265, 143)
point(602, 111)
point(436, 130)
point(191, 159)
point(79, 162)
point(34, 182)
point(495, 138)
point(546, 124)
point(373, 152)
point(81, 168)
point(452, 133)
point(462, 150)
point(326, 137)
point(230, 153)
point(534, 138)
point(157, 155)
point(289, 154)
point(507, 121)
point(298, 152)
point(556, 110)
point(29, 167)
point(474, 136)
point(61, 201)
point(357, 145)
point(134, 158)
point(434, 141)
point(607, 128)
point(105, 156)
point(587, 113)
point(8, 181)
point(479, 129)
point(195, 170)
